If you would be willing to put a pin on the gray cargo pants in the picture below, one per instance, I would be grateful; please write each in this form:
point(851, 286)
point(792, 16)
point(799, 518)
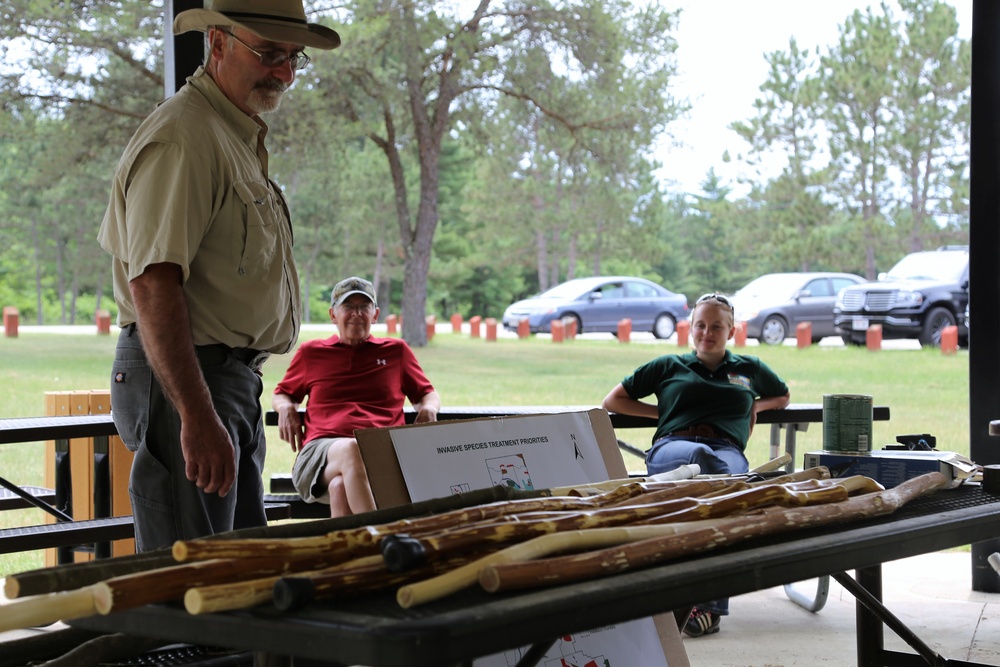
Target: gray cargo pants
point(166, 506)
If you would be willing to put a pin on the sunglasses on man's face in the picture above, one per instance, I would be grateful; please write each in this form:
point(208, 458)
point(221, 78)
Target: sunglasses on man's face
point(712, 296)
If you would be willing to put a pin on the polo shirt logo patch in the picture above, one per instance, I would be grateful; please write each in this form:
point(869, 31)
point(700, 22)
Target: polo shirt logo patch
point(380, 362)
point(741, 380)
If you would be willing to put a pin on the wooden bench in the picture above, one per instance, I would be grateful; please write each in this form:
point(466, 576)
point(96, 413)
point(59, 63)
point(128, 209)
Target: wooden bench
point(793, 419)
point(97, 533)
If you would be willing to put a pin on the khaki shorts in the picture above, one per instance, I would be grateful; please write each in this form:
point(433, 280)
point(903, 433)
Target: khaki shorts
point(307, 471)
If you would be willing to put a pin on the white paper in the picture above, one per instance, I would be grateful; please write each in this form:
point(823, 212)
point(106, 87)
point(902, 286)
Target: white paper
point(631, 644)
point(528, 452)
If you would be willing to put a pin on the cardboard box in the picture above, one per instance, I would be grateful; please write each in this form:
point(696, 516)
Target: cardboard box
point(459, 436)
point(893, 467)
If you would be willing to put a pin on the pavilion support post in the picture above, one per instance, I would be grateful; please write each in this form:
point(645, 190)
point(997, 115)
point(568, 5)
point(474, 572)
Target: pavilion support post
point(183, 54)
point(984, 244)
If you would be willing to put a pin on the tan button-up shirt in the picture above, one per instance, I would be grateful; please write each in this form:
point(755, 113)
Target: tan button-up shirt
point(192, 189)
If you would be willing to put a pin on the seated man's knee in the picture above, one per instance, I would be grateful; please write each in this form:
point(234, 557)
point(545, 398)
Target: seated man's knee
point(343, 453)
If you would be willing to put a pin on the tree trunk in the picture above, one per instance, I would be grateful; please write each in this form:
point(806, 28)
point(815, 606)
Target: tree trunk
point(38, 270)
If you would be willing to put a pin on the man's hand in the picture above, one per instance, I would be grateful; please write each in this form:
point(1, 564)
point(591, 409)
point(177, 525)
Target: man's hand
point(427, 408)
point(209, 455)
point(290, 426)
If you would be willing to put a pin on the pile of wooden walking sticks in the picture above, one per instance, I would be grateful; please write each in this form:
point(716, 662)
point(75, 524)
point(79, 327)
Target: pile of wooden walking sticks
point(496, 539)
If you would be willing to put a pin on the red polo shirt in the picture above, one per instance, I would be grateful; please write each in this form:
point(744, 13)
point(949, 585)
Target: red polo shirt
point(352, 387)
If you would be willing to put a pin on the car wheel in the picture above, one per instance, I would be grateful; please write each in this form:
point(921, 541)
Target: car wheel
point(579, 322)
point(664, 326)
point(934, 323)
point(774, 330)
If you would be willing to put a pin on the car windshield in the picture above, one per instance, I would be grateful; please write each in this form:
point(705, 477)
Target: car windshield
point(939, 266)
point(774, 286)
point(569, 290)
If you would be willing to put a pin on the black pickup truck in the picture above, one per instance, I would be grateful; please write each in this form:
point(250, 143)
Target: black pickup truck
point(920, 296)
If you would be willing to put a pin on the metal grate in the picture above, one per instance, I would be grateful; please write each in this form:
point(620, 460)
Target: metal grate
point(191, 656)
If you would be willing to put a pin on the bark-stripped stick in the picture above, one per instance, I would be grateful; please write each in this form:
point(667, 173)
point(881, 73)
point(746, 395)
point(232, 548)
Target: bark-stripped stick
point(351, 576)
point(351, 579)
point(729, 531)
point(135, 590)
point(363, 541)
point(47, 609)
point(455, 580)
point(773, 464)
point(580, 540)
point(403, 551)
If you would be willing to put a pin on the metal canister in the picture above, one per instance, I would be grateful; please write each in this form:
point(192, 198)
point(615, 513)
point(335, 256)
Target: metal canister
point(847, 422)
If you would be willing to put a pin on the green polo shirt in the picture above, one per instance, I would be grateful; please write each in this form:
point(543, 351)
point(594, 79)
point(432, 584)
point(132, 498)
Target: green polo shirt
point(688, 393)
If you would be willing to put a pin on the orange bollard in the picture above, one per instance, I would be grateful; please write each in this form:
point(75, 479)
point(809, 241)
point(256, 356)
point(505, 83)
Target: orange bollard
point(624, 330)
point(570, 324)
point(103, 319)
point(683, 328)
point(390, 322)
point(431, 322)
point(873, 337)
point(804, 335)
point(474, 323)
point(456, 323)
point(740, 338)
point(558, 330)
point(491, 329)
point(949, 340)
point(523, 328)
point(10, 318)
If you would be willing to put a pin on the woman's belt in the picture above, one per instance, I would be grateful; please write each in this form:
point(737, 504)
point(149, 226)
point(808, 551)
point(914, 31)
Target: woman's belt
point(700, 431)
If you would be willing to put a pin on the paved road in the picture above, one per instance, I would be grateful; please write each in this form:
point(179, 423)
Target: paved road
point(445, 327)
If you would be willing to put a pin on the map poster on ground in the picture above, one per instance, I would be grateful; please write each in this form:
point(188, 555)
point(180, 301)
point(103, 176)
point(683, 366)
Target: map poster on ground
point(525, 452)
point(535, 452)
point(632, 644)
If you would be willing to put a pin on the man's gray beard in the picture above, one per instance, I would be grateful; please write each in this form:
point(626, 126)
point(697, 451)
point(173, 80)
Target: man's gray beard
point(264, 100)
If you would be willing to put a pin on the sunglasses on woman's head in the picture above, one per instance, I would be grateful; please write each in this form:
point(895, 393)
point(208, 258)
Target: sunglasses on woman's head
point(712, 296)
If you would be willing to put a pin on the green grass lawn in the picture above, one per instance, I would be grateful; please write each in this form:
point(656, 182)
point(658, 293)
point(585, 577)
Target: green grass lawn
point(926, 391)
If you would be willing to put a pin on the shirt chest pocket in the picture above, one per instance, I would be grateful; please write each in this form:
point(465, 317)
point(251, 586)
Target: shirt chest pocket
point(257, 239)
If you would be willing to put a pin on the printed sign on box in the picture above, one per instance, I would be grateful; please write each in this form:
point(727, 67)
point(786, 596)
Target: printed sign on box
point(532, 452)
point(423, 461)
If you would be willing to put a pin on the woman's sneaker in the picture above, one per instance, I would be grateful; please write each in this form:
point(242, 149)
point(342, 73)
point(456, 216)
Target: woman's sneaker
point(701, 622)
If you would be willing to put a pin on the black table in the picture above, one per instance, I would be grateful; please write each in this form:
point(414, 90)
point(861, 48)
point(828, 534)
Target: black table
point(375, 631)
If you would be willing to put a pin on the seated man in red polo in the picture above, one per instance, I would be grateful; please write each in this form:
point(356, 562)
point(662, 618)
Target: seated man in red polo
point(353, 381)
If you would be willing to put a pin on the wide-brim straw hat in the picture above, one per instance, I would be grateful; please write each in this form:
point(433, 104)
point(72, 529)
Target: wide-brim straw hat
point(274, 20)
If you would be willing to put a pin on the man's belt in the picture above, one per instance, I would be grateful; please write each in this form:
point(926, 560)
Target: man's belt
point(248, 356)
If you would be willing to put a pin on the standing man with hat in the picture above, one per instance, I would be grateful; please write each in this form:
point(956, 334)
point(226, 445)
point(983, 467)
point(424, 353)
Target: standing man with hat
point(353, 381)
point(204, 279)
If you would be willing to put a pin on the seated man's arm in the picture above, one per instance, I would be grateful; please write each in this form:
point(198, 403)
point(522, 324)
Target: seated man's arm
point(427, 408)
point(290, 426)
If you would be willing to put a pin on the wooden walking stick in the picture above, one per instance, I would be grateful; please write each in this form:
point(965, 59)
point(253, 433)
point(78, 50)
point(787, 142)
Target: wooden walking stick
point(452, 581)
point(141, 588)
point(449, 582)
point(405, 551)
point(729, 531)
point(78, 575)
point(364, 540)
